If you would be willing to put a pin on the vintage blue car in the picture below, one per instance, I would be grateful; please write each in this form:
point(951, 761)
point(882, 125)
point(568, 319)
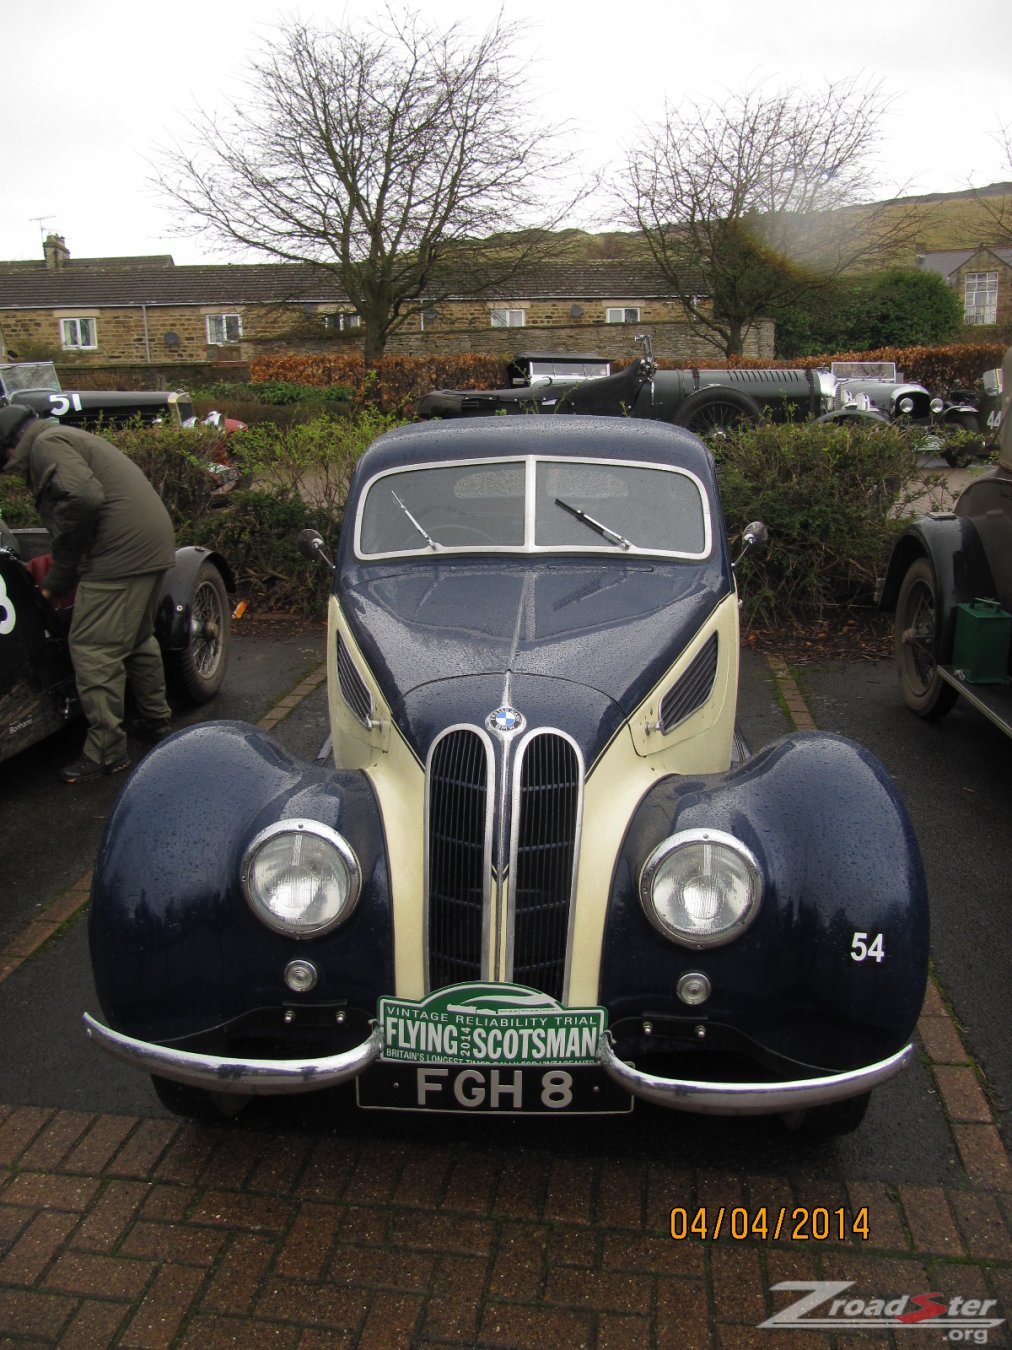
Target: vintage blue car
point(543, 873)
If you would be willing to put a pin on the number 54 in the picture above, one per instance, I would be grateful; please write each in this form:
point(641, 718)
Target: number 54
point(863, 950)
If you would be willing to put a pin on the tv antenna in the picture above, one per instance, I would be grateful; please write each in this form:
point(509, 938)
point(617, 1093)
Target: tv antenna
point(40, 221)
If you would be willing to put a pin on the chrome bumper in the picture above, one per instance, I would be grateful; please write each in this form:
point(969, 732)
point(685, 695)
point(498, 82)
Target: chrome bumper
point(251, 1077)
point(748, 1099)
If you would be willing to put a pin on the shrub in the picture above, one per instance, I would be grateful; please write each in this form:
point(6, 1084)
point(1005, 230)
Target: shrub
point(828, 495)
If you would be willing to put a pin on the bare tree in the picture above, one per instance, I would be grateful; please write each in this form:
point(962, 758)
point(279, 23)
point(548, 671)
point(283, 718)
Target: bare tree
point(995, 202)
point(743, 204)
point(400, 159)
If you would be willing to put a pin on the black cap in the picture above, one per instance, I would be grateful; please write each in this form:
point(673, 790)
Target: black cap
point(12, 420)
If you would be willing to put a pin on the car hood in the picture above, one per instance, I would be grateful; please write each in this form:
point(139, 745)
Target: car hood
point(575, 645)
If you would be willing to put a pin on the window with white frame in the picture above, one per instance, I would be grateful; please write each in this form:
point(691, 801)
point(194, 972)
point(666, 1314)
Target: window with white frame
point(223, 329)
point(509, 318)
point(619, 315)
point(341, 323)
point(78, 334)
point(981, 298)
point(426, 317)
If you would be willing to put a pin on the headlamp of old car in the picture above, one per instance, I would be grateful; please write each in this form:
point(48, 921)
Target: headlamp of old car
point(301, 878)
point(701, 888)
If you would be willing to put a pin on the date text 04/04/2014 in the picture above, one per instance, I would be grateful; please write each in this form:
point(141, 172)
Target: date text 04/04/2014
point(801, 1224)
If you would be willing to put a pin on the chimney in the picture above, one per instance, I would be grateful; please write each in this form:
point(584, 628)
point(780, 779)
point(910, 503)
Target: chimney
point(56, 252)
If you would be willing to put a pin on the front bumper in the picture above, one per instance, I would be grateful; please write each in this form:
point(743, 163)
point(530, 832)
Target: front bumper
point(262, 1077)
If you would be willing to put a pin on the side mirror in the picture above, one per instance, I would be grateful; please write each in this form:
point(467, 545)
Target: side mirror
point(754, 539)
point(310, 545)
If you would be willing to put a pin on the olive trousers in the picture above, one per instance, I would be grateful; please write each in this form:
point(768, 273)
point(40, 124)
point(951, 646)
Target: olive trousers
point(112, 642)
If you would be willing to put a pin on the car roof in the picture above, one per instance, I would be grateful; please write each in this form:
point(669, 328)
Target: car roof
point(614, 438)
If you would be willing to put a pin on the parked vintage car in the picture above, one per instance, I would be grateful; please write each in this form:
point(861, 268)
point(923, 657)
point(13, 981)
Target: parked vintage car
point(37, 691)
point(949, 581)
point(543, 873)
point(712, 401)
point(528, 368)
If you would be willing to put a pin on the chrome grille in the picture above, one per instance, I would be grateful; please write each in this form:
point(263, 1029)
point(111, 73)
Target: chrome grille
point(692, 690)
point(546, 825)
point(352, 686)
point(458, 863)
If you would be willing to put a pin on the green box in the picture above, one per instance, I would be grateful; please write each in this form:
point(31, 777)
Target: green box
point(980, 653)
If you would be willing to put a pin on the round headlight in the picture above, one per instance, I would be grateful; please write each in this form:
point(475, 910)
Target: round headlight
point(906, 405)
point(301, 878)
point(701, 888)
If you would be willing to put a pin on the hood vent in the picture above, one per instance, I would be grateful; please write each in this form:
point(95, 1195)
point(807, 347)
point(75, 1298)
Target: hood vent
point(693, 689)
point(353, 687)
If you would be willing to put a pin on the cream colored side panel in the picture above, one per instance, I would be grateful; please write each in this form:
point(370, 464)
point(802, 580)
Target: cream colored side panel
point(625, 773)
point(399, 782)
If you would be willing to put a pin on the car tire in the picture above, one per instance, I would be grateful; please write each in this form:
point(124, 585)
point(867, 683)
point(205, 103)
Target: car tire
point(716, 411)
point(197, 1103)
point(916, 643)
point(197, 671)
point(830, 1121)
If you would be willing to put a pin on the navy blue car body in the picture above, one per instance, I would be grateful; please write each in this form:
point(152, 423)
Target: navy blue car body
point(541, 852)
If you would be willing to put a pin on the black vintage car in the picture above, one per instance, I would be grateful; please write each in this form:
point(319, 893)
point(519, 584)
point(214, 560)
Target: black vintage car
point(544, 873)
point(949, 582)
point(37, 385)
point(712, 401)
point(37, 691)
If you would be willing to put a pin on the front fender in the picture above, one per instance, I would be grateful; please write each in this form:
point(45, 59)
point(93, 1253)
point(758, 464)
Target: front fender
point(172, 617)
point(176, 950)
point(838, 857)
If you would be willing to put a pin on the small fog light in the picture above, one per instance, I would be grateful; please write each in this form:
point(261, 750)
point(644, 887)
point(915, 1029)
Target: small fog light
point(300, 976)
point(693, 988)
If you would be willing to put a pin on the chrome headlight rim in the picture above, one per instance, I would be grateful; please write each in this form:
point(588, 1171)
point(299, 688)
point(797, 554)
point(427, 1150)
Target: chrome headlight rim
point(674, 843)
point(296, 827)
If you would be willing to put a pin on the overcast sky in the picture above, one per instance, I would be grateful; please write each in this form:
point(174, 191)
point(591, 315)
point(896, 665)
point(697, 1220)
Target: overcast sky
point(91, 87)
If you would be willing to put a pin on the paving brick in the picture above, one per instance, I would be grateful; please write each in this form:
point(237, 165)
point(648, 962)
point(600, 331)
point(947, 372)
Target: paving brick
point(19, 1130)
point(941, 1040)
point(522, 1190)
point(12, 1220)
point(933, 1005)
point(683, 1315)
point(184, 1244)
point(579, 1247)
point(983, 1155)
point(622, 1332)
point(382, 1268)
point(648, 1253)
point(737, 1284)
point(443, 1233)
point(457, 1289)
point(95, 1325)
point(189, 1153)
point(518, 1270)
point(391, 1321)
point(364, 1226)
point(163, 1309)
point(718, 1190)
point(374, 1175)
point(961, 1093)
point(169, 1203)
point(224, 1333)
point(277, 1172)
point(312, 1305)
point(142, 1150)
point(232, 1209)
point(885, 1220)
point(472, 1184)
point(100, 1144)
point(39, 1190)
point(55, 1141)
point(109, 1276)
point(510, 1327)
point(424, 1183)
point(326, 1172)
point(108, 1218)
point(33, 1313)
point(308, 1243)
point(570, 1194)
point(930, 1219)
point(621, 1196)
point(667, 1189)
point(600, 1289)
point(982, 1223)
point(36, 1247)
point(237, 1280)
point(232, 1162)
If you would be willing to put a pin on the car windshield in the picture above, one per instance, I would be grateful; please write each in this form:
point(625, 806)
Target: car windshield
point(537, 504)
point(864, 370)
point(29, 375)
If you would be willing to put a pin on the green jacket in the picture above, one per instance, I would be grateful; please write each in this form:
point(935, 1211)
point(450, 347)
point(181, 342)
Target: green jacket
point(105, 518)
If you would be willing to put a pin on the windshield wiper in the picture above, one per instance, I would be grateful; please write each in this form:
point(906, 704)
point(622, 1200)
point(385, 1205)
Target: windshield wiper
point(595, 525)
point(426, 536)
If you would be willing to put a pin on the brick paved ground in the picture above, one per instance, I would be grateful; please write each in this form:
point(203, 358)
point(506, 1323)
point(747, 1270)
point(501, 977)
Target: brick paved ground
point(118, 1231)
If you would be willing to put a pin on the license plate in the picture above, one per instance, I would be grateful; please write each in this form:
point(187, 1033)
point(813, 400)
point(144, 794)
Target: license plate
point(484, 1089)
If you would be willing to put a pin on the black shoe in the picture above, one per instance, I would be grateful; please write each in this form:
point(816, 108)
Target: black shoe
point(86, 769)
point(146, 730)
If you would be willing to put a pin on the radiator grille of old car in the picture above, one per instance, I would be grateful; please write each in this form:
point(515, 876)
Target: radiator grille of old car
point(693, 688)
point(546, 826)
point(352, 686)
point(458, 864)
